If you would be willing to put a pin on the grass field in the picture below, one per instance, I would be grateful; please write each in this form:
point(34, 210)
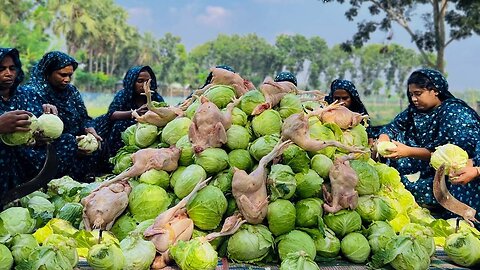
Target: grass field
point(381, 109)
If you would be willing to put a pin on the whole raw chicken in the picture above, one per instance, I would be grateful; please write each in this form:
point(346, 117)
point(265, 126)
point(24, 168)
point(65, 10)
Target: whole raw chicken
point(250, 190)
point(158, 116)
point(102, 207)
point(296, 128)
point(275, 91)
point(165, 159)
point(209, 125)
point(171, 226)
point(340, 115)
point(343, 180)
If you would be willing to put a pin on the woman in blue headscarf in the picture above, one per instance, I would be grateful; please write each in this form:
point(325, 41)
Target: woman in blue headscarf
point(127, 100)
point(19, 163)
point(346, 92)
point(433, 118)
point(51, 80)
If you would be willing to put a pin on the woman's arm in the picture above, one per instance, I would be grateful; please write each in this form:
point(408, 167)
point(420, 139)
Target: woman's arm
point(402, 151)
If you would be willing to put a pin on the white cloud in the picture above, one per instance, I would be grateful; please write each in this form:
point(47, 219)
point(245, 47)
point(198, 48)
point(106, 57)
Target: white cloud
point(214, 16)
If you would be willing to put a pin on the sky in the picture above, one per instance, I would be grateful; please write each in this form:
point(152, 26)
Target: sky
point(199, 21)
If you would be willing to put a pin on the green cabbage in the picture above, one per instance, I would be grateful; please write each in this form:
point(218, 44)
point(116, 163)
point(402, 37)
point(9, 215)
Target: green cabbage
point(21, 246)
point(383, 146)
point(281, 182)
point(188, 179)
point(123, 226)
point(123, 159)
point(309, 184)
point(175, 129)
point(41, 210)
point(145, 134)
point(67, 188)
point(6, 258)
point(50, 125)
point(356, 136)
point(196, 254)
point(65, 245)
point(220, 95)
point(295, 241)
point(281, 217)
point(268, 122)
point(206, 209)
point(155, 177)
point(355, 247)
point(106, 256)
point(298, 261)
point(238, 116)
point(290, 104)
point(250, 100)
point(212, 160)
point(147, 201)
point(388, 176)
point(251, 243)
point(373, 208)
point(71, 212)
point(326, 244)
point(296, 158)
point(454, 158)
point(421, 216)
point(21, 137)
point(128, 136)
point(262, 146)
point(322, 133)
point(423, 235)
point(190, 112)
point(139, 254)
point(238, 137)
point(368, 181)
point(17, 220)
point(343, 222)
point(175, 175)
point(309, 211)
point(186, 153)
point(88, 143)
point(46, 257)
point(463, 248)
point(378, 235)
point(321, 164)
point(402, 252)
point(223, 180)
point(240, 159)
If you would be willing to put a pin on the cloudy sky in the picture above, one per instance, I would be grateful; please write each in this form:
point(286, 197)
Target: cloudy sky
point(198, 21)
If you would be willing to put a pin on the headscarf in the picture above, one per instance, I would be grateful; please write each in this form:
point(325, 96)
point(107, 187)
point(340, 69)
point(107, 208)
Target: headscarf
point(357, 105)
point(12, 52)
point(50, 62)
point(438, 80)
point(132, 75)
point(210, 75)
point(286, 76)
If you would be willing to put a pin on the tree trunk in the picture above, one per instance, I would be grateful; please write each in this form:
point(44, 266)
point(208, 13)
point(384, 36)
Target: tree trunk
point(90, 60)
point(439, 9)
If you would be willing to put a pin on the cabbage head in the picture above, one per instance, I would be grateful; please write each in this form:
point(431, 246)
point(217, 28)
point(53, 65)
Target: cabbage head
point(326, 243)
point(21, 137)
point(155, 177)
point(384, 146)
point(46, 257)
point(402, 252)
point(21, 246)
point(322, 133)
point(373, 208)
point(388, 176)
point(139, 254)
point(281, 182)
point(220, 95)
point(240, 159)
point(175, 129)
point(296, 158)
point(239, 117)
point(147, 201)
point(281, 217)
point(41, 210)
point(267, 123)
point(106, 256)
point(51, 125)
point(206, 209)
point(123, 159)
point(251, 243)
point(175, 175)
point(454, 158)
point(355, 247)
point(145, 134)
point(88, 143)
point(190, 112)
point(250, 100)
point(17, 220)
point(309, 184)
point(298, 261)
point(321, 164)
point(71, 212)
point(212, 160)
point(378, 235)
point(223, 180)
point(123, 226)
point(290, 104)
point(463, 248)
point(420, 216)
point(196, 254)
point(128, 136)
point(188, 179)
point(356, 136)
point(423, 235)
point(238, 137)
point(65, 245)
point(343, 222)
point(309, 211)
point(368, 181)
point(262, 146)
point(295, 241)
point(6, 258)
point(186, 153)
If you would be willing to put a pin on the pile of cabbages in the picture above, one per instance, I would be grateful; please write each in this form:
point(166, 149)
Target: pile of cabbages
point(386, 228)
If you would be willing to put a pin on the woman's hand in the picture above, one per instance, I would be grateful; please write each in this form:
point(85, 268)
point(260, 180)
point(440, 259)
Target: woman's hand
point(14, 121)
point(142, 110)
point(94, 133)
point(465, 175)
point(401, 151)
point(383, 138)
point(49, 108)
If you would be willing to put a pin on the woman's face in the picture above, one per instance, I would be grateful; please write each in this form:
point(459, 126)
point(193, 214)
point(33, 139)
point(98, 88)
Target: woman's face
point(60, 78)
point(8, 73)
point(143, 77)
point(342, 96)
point(423, 98)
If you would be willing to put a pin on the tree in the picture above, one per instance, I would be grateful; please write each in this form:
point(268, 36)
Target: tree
point(461, 17)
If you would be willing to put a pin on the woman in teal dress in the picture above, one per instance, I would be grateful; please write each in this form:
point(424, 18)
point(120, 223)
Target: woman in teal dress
point(433, 118)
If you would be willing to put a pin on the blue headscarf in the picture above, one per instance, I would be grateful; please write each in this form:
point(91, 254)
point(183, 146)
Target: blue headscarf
point(12, 52)
point(357, 105)
point(132, 75)
point(286, 76)
point(438, 81)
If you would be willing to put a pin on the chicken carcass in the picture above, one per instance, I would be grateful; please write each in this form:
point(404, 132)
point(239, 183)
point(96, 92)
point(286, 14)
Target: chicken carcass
point(445, 198)
point(165, 159)
point(275, 91)
point(296, 128)
point(102, 207)
point(343, 180)
point(171, 226)
point(158, 116)
point(340, 115)
point(250, 190)
point(209, 125)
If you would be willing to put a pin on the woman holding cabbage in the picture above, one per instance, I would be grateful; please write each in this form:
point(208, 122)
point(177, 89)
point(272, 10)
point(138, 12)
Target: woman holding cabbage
point(130, 98)
point(19, 162)
point(433, 118)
